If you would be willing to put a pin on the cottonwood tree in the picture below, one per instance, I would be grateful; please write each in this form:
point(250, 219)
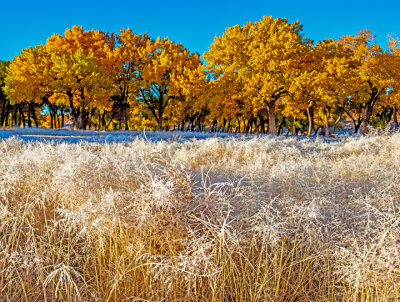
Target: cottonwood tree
point(191, 87)
point(371, 84)
point(327, 80)
point(80, 80)
point(26, 81)
point(70, 70)
point(226, 101)
point(163, 67)
point(81, 69)
point(128, 58)
point(391, 72)
point(3, 97)
point(266, 56)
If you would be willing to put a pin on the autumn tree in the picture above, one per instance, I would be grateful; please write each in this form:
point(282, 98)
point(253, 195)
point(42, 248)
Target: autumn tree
point(3, 98)
point(391, 72)
point(228, 102)
point(80, 70)
point(161, 76)
point(79, 81)
point(261, 73)
point(191, 89)
point(128, 57)
point(324, 85)
point(265, 56)
point(371, 84)
point(26, 80)
point(71, 70)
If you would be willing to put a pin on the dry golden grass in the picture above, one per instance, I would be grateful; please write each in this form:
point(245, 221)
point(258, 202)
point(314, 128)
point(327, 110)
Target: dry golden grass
point(266, 219)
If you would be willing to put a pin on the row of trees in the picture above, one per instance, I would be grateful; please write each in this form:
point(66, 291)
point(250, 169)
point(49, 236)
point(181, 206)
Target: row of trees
point(95, 75)
point(260, 77)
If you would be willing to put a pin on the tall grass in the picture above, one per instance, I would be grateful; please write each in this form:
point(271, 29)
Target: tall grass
point(265, 219)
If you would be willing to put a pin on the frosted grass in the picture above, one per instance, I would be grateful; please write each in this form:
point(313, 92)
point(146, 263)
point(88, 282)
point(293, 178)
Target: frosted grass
point(254, 219)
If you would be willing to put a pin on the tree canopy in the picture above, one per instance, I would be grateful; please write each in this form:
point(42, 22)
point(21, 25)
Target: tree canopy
point(263, 76)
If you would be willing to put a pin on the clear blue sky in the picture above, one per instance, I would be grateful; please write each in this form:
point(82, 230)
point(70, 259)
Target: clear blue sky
point(193, 23)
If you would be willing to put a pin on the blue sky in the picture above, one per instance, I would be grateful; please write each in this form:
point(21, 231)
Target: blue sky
point(193, 23)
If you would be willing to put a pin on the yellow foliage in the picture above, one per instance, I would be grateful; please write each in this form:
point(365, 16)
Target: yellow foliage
point(262, 59)
point(257, 69)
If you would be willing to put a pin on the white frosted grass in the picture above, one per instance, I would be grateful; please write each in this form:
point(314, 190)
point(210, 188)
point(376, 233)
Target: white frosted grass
point(341, 197)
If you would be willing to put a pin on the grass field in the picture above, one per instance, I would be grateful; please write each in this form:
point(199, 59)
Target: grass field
point(259, 219)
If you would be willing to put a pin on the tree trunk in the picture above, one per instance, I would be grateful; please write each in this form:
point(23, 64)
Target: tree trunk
point(120, 122)
point(160, 116)
point(34, 116)
point(281, 125)
point(62, 117)
point(357, 126)
point(366, 116)
point(223, 124)
point(159, 125)
point(192, 123)
point(51, 120)
point(80, 121)
point(337, 122)
point(74, 111)
point(160, 113)
point(21, 112)
point(316, 130)
point(294, 127)
point(326, 123)
point(262, 124)
point(250, 125)
point(16, 121)
point(310, 121)
point(125, 117)
point(103, 120)
point(7, 117)
point(29, 116)
point(245, 126)
point(214, 125)
point(99, 120)
point(356, 123)
point(271, 117)
point(395, 122)
point(4, 111)
point(198, 123)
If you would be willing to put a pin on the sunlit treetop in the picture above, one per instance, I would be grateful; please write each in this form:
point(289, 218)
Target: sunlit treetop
point(265, 56)
point(28, 75)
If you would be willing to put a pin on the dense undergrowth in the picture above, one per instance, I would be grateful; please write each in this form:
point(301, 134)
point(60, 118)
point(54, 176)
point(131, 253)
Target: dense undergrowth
point(264, 219)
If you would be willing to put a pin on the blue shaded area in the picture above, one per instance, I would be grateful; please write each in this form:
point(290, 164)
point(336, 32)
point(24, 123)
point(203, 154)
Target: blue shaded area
point(125, 137)
point(76, 136)
point(193, 23)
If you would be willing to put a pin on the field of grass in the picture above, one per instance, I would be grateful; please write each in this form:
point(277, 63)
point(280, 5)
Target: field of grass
point(259, 219)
